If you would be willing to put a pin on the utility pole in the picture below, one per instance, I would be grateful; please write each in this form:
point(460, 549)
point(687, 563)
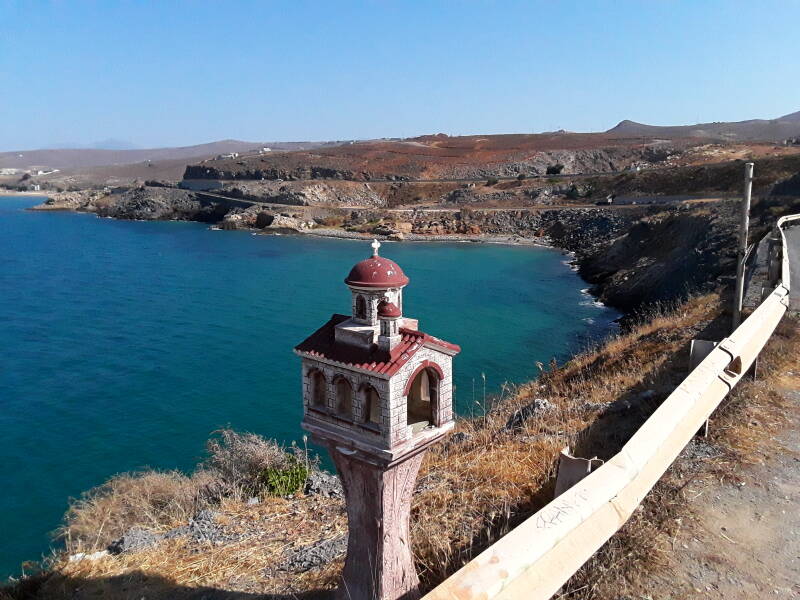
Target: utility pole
point(744, 224)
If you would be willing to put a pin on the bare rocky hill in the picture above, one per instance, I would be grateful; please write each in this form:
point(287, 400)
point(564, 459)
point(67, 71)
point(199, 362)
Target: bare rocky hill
point(444, 157)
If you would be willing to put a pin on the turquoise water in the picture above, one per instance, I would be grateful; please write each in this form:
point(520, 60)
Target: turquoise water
point(124, 344)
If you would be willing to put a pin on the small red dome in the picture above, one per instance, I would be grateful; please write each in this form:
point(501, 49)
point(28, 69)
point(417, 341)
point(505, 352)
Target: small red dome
point(388, 309)
point(376, 272)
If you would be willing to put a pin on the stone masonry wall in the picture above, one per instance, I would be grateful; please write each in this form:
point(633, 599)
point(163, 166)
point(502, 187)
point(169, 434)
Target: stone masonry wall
point(398, 428)
point(394, 427)
point(356, 380)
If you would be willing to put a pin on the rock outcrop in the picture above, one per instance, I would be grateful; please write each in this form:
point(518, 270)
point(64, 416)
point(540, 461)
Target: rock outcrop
point(663, 258)
point(158, 203)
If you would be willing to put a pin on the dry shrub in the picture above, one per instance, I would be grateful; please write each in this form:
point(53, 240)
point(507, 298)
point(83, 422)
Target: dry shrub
point(332, 221)
point(241, 461)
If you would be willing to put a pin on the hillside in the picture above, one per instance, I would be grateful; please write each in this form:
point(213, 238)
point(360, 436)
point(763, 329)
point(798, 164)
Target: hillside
point(444, 157)
point(440, 156)
point(787, 126)
point(72, 158)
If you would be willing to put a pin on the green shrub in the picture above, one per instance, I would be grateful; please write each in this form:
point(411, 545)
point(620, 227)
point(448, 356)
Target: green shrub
point(282, 482)
point(492, 181)
point(573, 193)
point(555, 169)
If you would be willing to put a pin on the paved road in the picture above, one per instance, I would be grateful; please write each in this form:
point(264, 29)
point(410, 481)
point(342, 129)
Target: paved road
point(793, 241)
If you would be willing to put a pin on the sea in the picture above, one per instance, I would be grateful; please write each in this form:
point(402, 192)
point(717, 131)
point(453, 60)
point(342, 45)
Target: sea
point(125, 344)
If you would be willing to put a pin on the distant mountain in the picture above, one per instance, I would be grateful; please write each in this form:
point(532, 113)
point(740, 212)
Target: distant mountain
point(113, 144)
point(109, 144)
point(792, 118)
point(753, 130)
point(71, 158)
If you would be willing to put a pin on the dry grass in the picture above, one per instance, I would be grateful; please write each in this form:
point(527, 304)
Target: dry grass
point(181, 567)
point(475, 491)
point(470, 492)
point(741, 431)
point(151, 500)
point(159, 501)
point(756, 406)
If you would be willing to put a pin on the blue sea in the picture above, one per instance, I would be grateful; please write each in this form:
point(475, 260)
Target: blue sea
point(125, 344)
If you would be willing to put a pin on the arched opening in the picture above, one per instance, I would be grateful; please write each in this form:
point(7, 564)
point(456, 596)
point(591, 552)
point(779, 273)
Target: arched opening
point(344, 398)
point(318, 389)
point(361, 307)
point(422, 399)
point(372, 405)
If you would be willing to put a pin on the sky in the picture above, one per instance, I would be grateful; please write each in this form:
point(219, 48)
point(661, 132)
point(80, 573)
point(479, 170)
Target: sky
point(171, 73)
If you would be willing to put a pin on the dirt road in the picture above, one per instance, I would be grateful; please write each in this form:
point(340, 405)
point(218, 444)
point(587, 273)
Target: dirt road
point(744, 539)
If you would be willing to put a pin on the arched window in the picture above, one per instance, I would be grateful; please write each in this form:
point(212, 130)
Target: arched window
point(372, 405)
point(344, 398)
point(423, 397)
point(318, 389)
point(361, 307)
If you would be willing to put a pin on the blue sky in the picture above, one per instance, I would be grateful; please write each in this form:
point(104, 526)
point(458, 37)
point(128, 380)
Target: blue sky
point(180, 73)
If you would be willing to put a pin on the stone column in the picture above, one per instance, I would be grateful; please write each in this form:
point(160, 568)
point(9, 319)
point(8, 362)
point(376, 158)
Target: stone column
point(379, 562)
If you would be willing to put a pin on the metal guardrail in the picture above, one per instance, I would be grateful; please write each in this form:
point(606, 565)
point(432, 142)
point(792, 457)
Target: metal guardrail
point(535, 559)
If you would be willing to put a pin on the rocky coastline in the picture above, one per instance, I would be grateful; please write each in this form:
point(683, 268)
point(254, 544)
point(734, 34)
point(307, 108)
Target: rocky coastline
point(630, 257)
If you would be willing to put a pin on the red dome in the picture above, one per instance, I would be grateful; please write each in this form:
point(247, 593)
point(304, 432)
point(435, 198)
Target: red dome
point(376, 272)
point(388, 309)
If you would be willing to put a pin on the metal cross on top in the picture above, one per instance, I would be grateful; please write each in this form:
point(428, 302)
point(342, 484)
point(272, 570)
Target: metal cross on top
point(375, 245)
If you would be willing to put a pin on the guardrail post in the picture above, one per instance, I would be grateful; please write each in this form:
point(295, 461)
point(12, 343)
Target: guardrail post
point(775, 262)
point(698, 350)
point(744, 224)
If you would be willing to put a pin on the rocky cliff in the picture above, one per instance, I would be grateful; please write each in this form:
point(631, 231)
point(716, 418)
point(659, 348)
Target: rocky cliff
point(664, 257)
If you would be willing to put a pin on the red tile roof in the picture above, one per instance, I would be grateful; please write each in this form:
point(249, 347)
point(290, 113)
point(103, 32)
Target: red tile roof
point(388, 309)
point(322, 344)
point(377, 272)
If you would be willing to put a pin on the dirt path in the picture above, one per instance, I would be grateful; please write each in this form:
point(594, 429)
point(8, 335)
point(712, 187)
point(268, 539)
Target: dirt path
point(744, 540)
